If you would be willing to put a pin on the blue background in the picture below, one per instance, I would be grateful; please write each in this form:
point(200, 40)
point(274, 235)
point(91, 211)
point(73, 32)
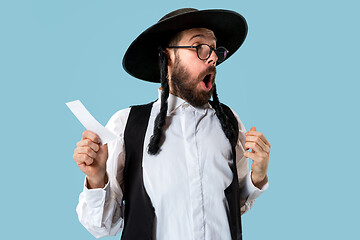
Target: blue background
point(295, 79)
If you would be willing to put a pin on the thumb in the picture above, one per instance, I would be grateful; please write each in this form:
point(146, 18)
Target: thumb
point(103, 153)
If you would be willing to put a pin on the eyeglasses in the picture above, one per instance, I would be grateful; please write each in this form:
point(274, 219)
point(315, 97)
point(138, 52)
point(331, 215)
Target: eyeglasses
point(204, 51)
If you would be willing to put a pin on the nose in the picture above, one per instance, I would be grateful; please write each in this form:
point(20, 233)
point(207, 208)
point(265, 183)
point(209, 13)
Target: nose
point(212, 59)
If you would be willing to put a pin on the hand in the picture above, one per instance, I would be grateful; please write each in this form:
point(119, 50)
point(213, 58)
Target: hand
point(260, 155)
point(91, 159)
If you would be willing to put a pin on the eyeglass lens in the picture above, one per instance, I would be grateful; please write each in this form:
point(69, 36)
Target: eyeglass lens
point(204, 52)
point(221, 54)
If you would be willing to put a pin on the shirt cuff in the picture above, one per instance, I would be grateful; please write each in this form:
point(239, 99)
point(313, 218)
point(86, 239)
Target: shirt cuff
point(96, 197)
point(251, 190)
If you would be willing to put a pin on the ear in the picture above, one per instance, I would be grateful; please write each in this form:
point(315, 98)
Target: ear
point(170, 56)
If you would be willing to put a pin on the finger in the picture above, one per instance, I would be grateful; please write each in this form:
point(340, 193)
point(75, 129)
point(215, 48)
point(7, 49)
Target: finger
point(88, 142)
point(81, 158)
point(90, 135)
point(251, 129)
point(255, 156)
point(255, 147)
point(86, 150)
point(82, 166)
point(259, 141)
point(260, 135)
point(263, 138)
point(250, 155)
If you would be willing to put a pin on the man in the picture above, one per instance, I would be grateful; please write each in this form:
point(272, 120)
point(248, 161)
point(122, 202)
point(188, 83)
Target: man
point(180, 168)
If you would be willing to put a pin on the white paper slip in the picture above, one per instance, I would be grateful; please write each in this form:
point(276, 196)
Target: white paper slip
point(89, 122)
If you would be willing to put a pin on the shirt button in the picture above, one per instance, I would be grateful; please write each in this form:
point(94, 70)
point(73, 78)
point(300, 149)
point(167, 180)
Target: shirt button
point(186, 105)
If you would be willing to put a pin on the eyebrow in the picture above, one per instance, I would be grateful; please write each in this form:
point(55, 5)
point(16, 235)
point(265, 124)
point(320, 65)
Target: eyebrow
point(201, 36)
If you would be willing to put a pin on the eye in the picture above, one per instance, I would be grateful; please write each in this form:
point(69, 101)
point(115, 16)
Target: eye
point(203, 51)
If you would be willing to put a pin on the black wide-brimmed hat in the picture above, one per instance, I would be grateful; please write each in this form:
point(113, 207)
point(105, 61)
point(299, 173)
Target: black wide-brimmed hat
point(141, 58)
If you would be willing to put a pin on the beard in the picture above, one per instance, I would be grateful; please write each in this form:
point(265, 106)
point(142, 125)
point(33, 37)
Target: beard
point(186, 88)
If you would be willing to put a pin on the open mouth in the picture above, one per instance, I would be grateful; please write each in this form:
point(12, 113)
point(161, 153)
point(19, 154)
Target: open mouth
point(207, 81)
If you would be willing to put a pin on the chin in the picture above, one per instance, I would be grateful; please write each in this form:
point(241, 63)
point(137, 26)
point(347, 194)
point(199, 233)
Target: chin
point(200, 98)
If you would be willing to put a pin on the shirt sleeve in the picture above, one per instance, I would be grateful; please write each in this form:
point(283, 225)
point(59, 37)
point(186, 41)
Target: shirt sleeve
point(101, 210)
point(248, 192)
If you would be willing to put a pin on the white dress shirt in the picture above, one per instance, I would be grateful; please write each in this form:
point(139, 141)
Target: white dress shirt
point(185, 181)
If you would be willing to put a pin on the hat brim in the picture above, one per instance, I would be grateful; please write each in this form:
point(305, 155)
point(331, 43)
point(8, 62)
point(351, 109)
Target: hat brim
point(141, 58)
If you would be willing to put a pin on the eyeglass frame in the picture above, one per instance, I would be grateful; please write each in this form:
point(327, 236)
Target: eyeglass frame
point(197, 50)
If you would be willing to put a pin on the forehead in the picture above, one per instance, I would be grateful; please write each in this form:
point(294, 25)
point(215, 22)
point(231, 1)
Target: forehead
point(196, 33)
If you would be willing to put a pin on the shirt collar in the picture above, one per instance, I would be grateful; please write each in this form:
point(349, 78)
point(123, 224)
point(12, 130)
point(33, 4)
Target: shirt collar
point(175, 102)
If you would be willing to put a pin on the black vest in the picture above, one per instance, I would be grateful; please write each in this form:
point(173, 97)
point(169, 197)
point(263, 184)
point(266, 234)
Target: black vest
point(139, 211)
